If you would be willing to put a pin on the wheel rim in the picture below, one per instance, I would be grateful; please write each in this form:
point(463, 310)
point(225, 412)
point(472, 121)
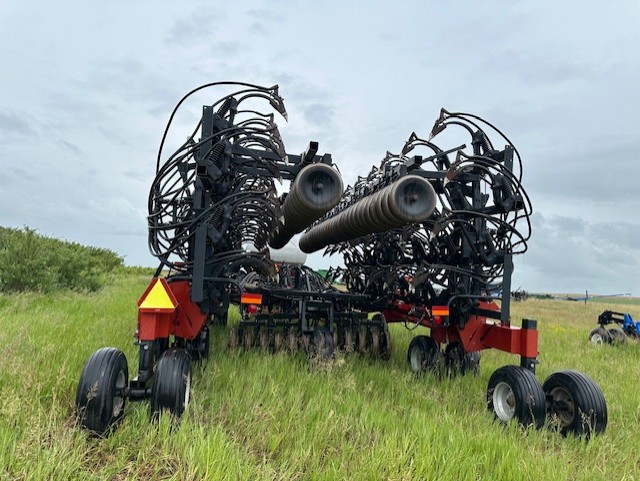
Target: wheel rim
point(564, 398)
point(504, 401)
point(187, 390)
point(118, 401)
point(596, 338)
point(416, 359)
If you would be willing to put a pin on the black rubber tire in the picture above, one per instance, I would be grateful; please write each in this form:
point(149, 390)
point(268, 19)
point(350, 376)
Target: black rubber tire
point(423, 354)
point(458, 361)
point(172, 383)
point(585, 409)
point(600, 336)
point(100, 400)
point(617, 335)
point(514, 392)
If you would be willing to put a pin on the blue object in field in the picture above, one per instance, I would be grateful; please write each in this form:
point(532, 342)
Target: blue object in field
point(630, 326)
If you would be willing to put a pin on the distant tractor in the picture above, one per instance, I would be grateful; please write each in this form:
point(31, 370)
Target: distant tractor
point(627, 328)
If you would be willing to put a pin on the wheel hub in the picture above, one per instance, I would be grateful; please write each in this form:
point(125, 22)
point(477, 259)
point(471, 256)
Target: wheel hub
point(504, 402)
point(118, 400)
point(417, 360)
point(187, 391)
point(564, 407)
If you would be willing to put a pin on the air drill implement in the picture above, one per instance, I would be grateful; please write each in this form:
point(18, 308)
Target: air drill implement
point(210, 200)
point(427, 240)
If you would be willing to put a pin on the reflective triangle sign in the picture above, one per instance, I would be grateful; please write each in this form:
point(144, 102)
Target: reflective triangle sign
point(158, 297)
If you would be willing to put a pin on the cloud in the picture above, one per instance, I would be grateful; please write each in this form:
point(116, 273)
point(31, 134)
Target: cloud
point(69, 146)
point(196, 27)
point(259, 28)
point(542, 68)
point(15, 125)
point(591, 176)
point(319, 114)
point(229, 48)
point(92, 102)
point(570, 254)
point(265, 14)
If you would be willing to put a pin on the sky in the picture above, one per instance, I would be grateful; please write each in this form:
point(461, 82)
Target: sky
point(86, 89)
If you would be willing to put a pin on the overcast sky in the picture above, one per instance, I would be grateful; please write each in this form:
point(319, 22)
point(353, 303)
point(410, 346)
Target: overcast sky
point(86, 89)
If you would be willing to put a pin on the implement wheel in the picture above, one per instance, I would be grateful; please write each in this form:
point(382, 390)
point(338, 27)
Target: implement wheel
point(617, 335)
point(514, 392)
point(100, 398)
point(600, 336)
point(172, 383)
point(577, 404)
point(423, 354)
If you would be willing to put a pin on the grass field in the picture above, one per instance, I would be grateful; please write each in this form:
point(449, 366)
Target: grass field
point(266, 417)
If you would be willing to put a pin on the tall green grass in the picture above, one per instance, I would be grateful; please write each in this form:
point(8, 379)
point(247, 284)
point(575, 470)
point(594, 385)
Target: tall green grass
point(265, 417)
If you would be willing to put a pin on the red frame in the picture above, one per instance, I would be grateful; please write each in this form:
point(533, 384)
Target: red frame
point(185, 321)
point(477, 334)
